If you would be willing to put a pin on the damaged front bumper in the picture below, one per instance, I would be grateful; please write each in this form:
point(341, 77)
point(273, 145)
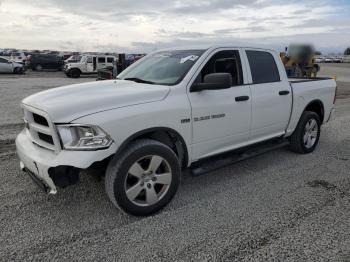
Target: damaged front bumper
point(50, 169)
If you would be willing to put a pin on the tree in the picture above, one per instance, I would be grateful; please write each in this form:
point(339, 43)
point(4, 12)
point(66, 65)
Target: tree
point(347, 51)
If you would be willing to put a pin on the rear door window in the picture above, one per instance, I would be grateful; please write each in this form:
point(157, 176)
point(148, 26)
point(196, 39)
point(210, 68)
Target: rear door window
point(101, 60)
point(263, 67)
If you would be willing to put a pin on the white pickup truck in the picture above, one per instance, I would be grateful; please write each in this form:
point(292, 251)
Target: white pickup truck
point(167, 111)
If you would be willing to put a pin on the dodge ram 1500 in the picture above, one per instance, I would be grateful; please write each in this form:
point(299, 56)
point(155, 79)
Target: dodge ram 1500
point(164, 113)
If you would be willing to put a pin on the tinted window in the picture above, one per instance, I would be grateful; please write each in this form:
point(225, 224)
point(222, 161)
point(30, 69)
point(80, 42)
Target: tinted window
point(101, 59)
point(3, 60)
point(263, 67)
point(224, 62)
point(110, 59)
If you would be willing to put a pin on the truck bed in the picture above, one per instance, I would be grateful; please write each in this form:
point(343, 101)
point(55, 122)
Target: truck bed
point(300, 79)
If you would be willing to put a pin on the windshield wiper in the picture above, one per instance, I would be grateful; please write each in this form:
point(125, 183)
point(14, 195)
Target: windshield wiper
point(139, 80)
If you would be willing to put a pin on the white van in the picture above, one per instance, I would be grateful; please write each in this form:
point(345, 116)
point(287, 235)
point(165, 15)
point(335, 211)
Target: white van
point(88, 64)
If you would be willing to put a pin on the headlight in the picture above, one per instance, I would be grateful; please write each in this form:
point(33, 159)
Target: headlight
point(83, 137)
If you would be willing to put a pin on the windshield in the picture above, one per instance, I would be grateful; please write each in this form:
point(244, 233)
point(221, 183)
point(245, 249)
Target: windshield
point(164, 68)
point(74, 58)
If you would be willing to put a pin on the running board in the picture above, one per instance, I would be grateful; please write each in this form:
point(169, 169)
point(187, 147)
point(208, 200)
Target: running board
point(217, 162)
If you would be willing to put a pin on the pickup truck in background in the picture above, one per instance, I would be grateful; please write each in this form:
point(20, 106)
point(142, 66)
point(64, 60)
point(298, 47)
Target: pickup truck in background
point(164, 113)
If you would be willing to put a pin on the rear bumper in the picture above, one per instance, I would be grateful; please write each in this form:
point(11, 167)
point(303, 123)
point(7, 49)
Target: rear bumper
point(46, 166)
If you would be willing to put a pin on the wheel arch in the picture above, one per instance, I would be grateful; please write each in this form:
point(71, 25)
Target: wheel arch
point(317, 107)
point(165, 135)
point(75, 68)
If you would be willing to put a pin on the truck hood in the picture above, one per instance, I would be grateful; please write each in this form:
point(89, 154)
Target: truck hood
point(67, 103)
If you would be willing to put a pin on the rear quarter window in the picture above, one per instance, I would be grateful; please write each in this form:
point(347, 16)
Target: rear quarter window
point(263, 67)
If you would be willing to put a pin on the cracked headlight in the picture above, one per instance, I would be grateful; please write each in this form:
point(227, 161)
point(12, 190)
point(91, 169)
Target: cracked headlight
point(83, 137)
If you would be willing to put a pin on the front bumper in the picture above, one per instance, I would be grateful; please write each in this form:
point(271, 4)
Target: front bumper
point(38, 161)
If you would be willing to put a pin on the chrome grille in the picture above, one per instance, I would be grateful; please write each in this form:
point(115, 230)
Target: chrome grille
point(40, 129)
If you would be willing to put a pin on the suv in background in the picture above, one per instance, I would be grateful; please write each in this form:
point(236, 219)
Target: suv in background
point(88, 64)
point(38, 62)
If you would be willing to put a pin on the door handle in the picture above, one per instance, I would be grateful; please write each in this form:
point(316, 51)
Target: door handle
point(241, 98)
point(283, 93)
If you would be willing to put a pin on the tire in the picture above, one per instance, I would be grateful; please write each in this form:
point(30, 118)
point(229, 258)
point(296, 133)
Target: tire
point(164, 181)
point(74, 73)
point(38, 68)
point(304, 140)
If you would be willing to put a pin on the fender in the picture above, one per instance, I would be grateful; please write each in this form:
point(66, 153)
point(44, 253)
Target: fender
point(320, 103)
point(152, 130)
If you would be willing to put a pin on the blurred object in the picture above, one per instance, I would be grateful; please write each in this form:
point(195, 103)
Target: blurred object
point(109, 72)
point(347, 51)
point(18, 57)
point(299, 61)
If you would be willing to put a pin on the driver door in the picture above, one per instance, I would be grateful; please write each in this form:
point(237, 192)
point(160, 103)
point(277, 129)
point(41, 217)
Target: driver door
point(220, 118)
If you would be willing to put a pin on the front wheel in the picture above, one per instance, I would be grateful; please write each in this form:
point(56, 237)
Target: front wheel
point(307, 133)
point(74, 73)
point(144, 178)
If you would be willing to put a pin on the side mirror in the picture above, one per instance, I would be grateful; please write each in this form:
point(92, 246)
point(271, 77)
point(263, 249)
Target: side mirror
point(214, 81)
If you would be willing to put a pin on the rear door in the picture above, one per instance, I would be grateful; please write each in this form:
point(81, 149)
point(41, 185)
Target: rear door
point(220, 118)
point(271, 95)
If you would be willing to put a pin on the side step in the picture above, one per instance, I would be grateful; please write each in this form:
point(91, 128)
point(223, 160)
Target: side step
point(211, 164)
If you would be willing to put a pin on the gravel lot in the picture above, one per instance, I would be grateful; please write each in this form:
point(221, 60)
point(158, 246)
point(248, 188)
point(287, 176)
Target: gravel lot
point(278, 206)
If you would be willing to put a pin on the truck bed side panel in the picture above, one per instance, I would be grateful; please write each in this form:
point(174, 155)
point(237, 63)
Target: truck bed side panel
point(305, 92)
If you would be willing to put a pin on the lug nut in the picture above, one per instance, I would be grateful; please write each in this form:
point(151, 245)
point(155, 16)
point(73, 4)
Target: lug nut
point(154, 178)
point(141, 184)
point(149, 185)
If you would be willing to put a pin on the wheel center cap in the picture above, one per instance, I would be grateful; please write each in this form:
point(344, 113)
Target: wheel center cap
point(147, 178)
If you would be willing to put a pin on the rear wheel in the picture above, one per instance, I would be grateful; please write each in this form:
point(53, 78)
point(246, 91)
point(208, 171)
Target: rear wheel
point(38, 67)
point(144, 178)
point(307, 133)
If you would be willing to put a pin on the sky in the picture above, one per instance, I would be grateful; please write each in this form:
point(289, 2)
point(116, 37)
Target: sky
point(144, 26)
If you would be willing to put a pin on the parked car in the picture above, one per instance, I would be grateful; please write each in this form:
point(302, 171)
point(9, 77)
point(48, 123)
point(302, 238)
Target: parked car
point(38, 62)
point(88, 64)
point(8, 66)
point(18, 57)
point(319, 59)
point(167, 112)
point(338, 59)
point(328, 59)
